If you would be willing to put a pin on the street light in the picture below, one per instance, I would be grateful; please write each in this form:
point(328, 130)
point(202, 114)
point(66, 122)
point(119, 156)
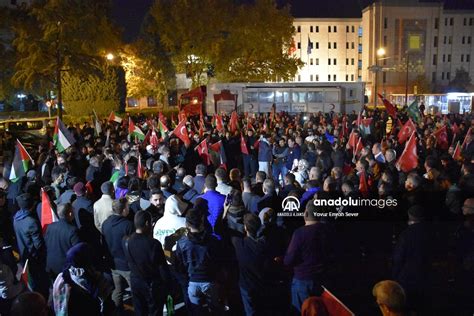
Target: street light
point(110, 56)
point(376, 69)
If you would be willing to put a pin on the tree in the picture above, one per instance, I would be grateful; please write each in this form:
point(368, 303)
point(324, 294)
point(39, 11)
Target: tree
point(422, 84)
point(461, 81)
point(62, 36)
point(234, 42)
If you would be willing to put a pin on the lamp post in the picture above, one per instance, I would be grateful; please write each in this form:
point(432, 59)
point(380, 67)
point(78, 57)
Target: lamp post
point(376, 68)
point(406, 78)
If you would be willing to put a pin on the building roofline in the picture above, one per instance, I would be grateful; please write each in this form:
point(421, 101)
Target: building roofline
point(327, 19)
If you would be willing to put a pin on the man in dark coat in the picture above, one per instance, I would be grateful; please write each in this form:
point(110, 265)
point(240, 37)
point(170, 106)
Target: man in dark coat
point(270, 199)
point(31, 243)
point(200, 178)
point(59, 238)
point(412, 257)
point(115, 229)
point(82, 206)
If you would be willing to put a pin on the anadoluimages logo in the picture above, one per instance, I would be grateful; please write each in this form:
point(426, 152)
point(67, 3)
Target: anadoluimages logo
point(290, 207)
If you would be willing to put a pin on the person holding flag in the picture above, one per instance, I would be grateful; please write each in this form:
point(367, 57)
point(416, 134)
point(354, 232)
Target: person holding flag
point(249, 153)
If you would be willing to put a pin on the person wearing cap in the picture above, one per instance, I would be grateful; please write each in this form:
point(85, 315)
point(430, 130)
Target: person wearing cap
point(60, 236)
point(412, 258)
point(31, 245)
point(308, 254)
point(82, 205)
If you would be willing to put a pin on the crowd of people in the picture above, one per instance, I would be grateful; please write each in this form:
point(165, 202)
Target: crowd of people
point(202, 221)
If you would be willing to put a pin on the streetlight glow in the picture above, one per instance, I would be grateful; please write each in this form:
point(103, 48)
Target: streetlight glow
point(110, 56)
point(381, 52)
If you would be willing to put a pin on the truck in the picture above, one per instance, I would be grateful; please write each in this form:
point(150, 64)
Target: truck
point(218, 98)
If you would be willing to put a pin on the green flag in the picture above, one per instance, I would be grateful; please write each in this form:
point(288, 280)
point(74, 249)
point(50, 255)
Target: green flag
point(414, 111)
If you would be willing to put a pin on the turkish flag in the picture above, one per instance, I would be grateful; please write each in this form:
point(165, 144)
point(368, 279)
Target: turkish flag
point(442, 137)
point(363, 186)
point(334, 306)
point(219, 123)
point(234, 124)
point(391, 109)
point(409, 157)
point(182, 133)
point(203, 152)
point(243, 145)
point(352, 140)
point(406, 131)
point(457, 152)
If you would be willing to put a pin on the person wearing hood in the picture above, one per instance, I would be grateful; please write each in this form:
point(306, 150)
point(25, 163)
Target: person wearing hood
point(31, 245)
point(80, 289)
point(172, 219)
point(59, 238)
point(115, 229)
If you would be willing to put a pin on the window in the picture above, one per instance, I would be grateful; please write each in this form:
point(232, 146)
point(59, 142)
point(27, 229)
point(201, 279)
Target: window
point(444, 40)
point(463, 39)
point(347, 45)
point(469, 40)
point(353, 29)
point(359, 31)
point(385, 23)
point(464, 22)
point(352, 61)
point(433, 77)
point(335, 45)
point(450, 40)
point(436, 23)
point(434, 59)
point(451, 21)
point(360, 48)
point(384, 77)
point(470, 21)
point(329, 77)
point(385, 40)
point(462, 57)
point(352, 45)
point(317, 28)
point(445, 21)
point(442, 75)
point(335, 61)
point(334, 78)
point(299, 45)
point(347, 61)
point(444, 58)
point(449, 58)
point(329, 29)
point(435, 41)
point(299, 29)
point(352, 77)
point(329, 45)
point(310, 77)
point(448, 75)
point(311, 61)
point(317, 45)
point(347, 28)
point(311, 29)
point(347, 77)
point(329, 61)
point(359, 64)
point(335, 29)
point(317, 61)
point(468, 58)
point(317, 77)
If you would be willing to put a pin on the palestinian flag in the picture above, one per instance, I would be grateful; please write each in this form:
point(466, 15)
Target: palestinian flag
point(113, 117)
point(135, 131)
point(48, 215)
point(21, 162)
point(26, 277)
point(114, 178)
point(62, 138)
point(163, 128)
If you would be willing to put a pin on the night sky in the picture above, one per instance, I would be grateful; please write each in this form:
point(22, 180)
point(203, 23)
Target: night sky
point(129, 13)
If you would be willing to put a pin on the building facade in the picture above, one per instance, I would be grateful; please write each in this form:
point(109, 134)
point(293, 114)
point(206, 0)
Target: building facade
point(426, 39)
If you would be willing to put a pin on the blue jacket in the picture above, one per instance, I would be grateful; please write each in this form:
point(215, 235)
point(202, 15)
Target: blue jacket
point(199, 183)
point(197, 255)
point(264, 151)
point(28, 236)
point(215, 203)
point(59, 238)
point(114, 229)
